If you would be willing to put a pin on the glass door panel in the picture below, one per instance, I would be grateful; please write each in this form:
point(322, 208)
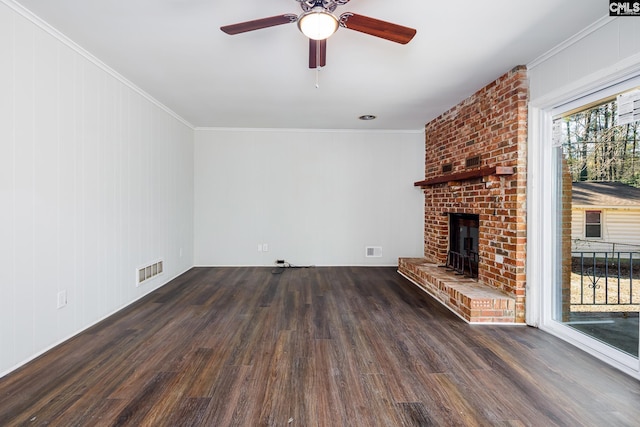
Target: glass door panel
point(598, 224)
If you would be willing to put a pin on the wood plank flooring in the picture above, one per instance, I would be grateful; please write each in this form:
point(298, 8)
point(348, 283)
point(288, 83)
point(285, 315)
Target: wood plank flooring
point(310, 347)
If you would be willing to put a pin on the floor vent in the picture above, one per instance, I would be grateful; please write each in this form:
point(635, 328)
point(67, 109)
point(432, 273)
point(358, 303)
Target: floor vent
point(152, 270)
point(373, 252)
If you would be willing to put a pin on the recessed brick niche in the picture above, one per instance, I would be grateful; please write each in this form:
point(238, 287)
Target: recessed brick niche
point(476, 165)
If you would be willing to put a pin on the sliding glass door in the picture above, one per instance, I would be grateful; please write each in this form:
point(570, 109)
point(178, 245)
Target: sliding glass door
point(596, 151)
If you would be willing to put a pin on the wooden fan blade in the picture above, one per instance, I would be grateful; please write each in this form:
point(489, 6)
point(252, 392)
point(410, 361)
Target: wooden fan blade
point(317, 53)
point(375, 27)
point(259, 24)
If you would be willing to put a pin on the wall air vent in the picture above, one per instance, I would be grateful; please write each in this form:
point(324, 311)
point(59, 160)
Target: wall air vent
point(472, 162)
point(373, 252)
point(447, 168)
point(149, 271)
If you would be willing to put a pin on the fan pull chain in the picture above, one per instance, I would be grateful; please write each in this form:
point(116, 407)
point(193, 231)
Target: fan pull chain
point(318, 49)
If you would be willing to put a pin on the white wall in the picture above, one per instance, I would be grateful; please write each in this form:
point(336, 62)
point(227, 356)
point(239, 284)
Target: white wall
point(607, 50)
point(95, 181)
point(315, 197)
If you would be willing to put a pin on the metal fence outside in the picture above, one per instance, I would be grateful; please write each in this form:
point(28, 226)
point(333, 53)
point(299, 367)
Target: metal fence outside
point(606, 278)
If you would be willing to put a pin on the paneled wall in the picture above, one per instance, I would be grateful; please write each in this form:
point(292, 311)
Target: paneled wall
point(607, 50)
point(313, 197)
point(96, 180)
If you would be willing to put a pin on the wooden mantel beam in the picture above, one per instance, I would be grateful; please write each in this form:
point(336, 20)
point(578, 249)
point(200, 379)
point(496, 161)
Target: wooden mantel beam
point(466, 175)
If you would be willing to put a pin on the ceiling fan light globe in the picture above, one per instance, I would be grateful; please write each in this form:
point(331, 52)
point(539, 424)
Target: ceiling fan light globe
point(317, 24)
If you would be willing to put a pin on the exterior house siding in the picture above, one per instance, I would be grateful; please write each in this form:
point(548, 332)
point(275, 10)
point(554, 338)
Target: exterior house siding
point(620, 230)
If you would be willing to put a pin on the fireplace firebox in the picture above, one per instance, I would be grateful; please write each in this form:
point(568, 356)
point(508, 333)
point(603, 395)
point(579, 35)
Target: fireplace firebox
point(464, 232)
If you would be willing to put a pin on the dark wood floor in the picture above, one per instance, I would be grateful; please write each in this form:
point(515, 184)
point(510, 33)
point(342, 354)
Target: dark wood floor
point(310, 347)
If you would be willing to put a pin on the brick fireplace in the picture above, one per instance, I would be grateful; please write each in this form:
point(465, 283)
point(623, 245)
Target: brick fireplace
point(475, 169)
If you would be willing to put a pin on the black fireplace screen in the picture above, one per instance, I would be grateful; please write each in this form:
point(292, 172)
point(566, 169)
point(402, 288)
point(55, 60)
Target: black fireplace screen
point(464, 231)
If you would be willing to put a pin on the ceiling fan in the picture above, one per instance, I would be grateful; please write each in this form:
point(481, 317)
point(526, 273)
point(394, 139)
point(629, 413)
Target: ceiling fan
point(318, 22)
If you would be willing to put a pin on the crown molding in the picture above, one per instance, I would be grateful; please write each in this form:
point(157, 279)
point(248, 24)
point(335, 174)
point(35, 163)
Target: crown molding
point(43, 25)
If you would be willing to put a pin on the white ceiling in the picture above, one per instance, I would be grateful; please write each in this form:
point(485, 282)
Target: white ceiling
point(175, 51)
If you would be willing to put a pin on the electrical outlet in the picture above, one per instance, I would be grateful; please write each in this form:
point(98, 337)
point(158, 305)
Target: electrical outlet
point(265, 247)
point(280, 261)
point(259, 247)
point(62, 298)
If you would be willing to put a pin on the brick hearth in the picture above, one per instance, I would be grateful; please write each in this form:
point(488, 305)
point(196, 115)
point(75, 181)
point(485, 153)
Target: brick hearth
point(472, 301)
